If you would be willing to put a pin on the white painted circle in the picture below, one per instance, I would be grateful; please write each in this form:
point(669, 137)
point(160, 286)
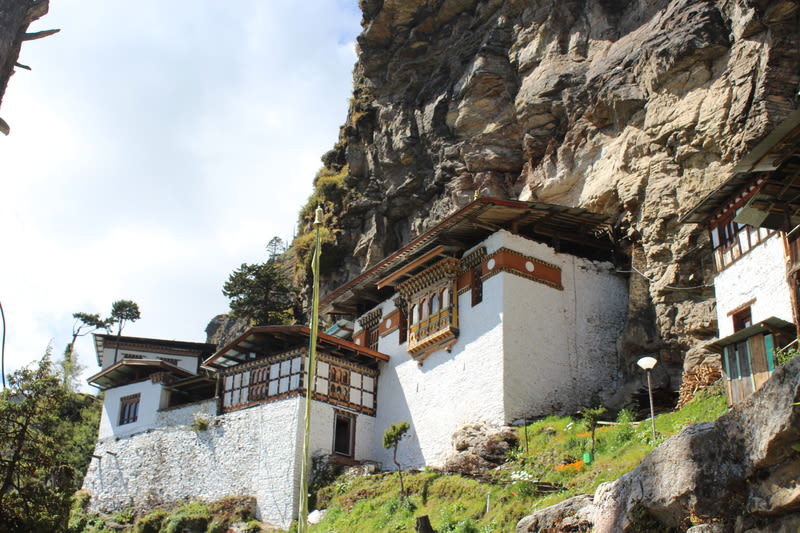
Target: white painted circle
point(490, 264)
point(358, 341)
point(529, 266)
point(388, 322)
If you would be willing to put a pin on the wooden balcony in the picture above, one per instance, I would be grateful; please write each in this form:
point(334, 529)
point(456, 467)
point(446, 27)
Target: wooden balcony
point(438, 331)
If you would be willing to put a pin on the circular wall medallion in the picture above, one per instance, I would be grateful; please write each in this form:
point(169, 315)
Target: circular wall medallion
point(388, 322)
point(358, 341)
point(490, 264)
point(529, 266)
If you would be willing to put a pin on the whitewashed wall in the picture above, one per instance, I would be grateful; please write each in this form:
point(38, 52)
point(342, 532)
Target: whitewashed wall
point(448, 390)
point(759, 274)
point(151, 400)
point(526, 349)
point(254, 451)
point(561, 345)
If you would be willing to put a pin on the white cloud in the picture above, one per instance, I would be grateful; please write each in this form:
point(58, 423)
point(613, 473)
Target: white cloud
point(155, 147)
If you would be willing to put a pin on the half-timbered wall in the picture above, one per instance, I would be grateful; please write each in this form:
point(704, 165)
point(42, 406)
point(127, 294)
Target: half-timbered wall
point(281, 376)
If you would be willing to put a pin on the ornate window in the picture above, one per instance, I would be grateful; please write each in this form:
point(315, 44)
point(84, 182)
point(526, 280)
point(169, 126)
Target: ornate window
point(731, 240)
point(261, 380)
point(371, 325)
point(350, 387)
point(432, 309)
point(129, 409)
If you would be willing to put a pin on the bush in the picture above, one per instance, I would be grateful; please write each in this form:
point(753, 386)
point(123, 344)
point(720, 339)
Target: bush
point(781, 358)
point(192, 517)
point(150, 523)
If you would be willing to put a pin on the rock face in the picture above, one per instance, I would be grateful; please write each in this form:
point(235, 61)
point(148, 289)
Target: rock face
point(632, 108)
point(737, 474)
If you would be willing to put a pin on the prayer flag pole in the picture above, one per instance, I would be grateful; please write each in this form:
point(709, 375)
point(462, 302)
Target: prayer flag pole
point(311, 372)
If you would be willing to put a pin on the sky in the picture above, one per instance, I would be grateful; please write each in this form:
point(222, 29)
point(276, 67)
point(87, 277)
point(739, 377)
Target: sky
point(155, 147)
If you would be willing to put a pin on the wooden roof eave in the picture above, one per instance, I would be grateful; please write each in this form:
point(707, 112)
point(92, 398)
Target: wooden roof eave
point(300, 333)
point(497, 213)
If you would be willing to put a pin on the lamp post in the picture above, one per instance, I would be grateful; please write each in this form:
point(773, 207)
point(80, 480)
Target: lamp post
point(647, 364)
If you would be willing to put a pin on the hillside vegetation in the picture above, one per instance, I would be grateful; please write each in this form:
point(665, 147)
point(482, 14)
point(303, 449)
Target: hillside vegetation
point(546, 468)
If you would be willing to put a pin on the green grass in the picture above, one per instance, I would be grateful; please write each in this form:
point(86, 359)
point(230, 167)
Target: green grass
point(552, 454)
point(454, 504)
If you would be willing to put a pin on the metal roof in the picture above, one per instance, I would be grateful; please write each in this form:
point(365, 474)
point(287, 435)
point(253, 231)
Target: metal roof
point(775, 164)
point(768, 325)
point(569, 229)
point(133, 370)
point(262, 341)
point(160, 346)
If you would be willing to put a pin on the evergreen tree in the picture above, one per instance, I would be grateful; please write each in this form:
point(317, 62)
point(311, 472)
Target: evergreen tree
point(261, 293)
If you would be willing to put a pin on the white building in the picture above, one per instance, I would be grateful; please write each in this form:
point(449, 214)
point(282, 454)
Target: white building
point(750, 219)
point(504, 310)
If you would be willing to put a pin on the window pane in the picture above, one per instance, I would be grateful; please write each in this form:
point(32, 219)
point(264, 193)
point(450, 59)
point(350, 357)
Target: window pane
point(355, 396)
point(368, 384)
point(367, 400)
point(283, 386)
point(322, 369)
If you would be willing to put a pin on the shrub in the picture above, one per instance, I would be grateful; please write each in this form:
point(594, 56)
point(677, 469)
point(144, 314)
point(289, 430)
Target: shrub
point(151, 522)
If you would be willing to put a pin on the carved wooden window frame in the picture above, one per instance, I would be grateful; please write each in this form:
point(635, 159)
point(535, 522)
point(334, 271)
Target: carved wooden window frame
point(129, 409)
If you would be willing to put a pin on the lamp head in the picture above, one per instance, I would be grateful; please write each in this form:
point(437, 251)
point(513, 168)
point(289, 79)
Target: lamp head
point(318, 215)
point(647, 363)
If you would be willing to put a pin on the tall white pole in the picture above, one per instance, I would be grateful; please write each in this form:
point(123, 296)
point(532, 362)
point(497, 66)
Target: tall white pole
point(311, 372)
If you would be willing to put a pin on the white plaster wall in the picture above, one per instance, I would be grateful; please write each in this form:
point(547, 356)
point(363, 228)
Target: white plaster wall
point(759, 274)
point(560, 348)
point(561, 345)
point(148, 407)
point(253, 451)
point(321, 441)
point(448, 390)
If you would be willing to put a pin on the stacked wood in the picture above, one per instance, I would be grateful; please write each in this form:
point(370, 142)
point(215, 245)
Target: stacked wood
point(695, 380)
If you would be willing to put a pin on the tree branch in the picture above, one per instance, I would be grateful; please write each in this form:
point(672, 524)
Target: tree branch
point(38, 35)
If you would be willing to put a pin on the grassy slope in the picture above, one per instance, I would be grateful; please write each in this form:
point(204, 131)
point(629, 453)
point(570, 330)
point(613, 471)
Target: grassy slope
point(552, 455)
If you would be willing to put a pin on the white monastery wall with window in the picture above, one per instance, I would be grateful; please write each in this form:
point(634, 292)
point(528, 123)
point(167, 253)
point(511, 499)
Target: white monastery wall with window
point(448, 390)
point(149, 402)
point(758, 277)
point(252, 451)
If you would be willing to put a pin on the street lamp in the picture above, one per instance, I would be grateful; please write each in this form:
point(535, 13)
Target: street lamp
point(647, 364)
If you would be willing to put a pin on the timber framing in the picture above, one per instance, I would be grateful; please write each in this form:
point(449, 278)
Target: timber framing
point(568, 229)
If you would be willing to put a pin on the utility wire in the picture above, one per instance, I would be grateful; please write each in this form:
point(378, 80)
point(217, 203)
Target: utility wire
point(670, 287)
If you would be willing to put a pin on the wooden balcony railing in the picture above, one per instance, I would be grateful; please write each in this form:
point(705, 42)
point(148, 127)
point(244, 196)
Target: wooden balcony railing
point(436, 331)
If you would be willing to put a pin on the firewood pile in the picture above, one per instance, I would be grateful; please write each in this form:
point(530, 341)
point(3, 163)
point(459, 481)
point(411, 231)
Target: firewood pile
point(696, 380)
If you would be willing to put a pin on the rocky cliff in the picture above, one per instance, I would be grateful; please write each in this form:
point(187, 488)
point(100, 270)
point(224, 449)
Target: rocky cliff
point(634, 109)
